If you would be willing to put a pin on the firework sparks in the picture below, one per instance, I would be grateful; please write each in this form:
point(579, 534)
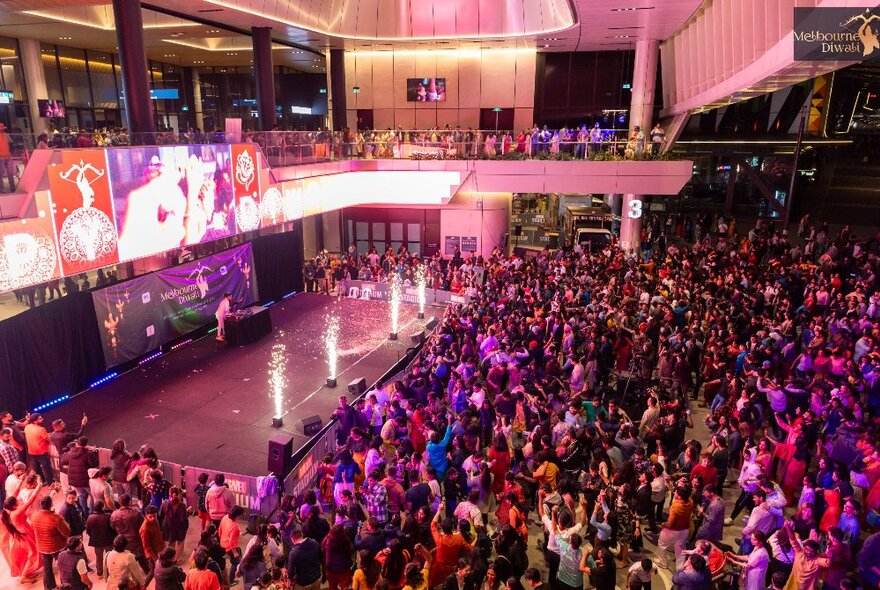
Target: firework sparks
point(331, 338)
point(421, 283)
point(278, 378)
point(395, 306)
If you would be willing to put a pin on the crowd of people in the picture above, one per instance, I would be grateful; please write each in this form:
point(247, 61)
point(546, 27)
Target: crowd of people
point(580, 142)
point(556, 408)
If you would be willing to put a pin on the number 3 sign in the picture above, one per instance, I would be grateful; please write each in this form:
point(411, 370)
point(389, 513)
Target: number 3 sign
point(634, 210)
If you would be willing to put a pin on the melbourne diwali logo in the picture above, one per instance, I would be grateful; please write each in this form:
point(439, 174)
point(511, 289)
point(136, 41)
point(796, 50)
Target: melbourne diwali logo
point(194, 291)
point(836, 34)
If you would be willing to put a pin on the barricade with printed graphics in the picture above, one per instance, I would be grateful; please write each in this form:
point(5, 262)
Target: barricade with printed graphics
point(308, 459)
point(377, 291)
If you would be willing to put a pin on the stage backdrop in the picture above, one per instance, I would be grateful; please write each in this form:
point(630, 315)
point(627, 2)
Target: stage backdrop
point(140, 315)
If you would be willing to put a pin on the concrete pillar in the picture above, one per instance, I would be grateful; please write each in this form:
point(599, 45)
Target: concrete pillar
point(133, 62)
point(265, 76)
point(641, 111)
point(644, 82)
point(197, 99)
point(336, 76)
point(631, 222)
point(34, 79)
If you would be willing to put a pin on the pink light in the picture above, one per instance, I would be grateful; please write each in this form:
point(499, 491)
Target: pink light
point(179, 344)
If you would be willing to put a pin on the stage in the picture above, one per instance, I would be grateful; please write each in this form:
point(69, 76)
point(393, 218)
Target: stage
point(208, 405)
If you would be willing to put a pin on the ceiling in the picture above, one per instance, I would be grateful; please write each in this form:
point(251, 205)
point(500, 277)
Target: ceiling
point(305, 29)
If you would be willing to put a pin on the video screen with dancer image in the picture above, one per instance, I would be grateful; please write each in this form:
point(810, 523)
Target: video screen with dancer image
point(168, 197)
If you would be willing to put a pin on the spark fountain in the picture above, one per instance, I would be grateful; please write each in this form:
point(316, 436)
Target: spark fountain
point(278, 381)
point(330, 339)
point(395, 306)
point(421, 283)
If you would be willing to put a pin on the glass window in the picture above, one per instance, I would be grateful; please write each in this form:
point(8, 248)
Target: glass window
point(75, 77)
point(10, 68)
point(361, 230)
point(103, 81)
point(396, 233)
point(379, 235)
point(413, 232)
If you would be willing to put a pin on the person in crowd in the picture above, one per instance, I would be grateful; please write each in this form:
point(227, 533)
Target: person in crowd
point(100, 534)
point(73, 566)
point(50, 532)
point(122, 567)
point(17, 538)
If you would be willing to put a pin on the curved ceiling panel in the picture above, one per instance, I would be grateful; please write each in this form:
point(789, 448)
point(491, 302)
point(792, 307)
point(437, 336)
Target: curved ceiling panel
point(414, 19)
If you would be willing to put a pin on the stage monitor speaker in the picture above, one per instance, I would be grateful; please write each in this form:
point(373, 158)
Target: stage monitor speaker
point(311, 425)
point(281, 455)
point(432, 324)
point(357, 387)
point(517, 230)
point(417, 338)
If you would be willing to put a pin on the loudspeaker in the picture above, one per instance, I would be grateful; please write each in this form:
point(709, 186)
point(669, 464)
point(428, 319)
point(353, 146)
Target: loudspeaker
point(311, 425)
point(517, 230)
point(432, 324)
point(357, 387)
point(554, 241)
point(281, 455)
point(417, 338)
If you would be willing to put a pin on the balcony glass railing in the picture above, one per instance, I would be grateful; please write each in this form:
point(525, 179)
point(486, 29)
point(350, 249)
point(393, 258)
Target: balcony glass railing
point(287, 148)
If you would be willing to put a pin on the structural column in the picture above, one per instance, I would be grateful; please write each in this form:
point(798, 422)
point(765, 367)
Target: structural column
point(336, 73)
point(644, 83)
point(641, 111)
point(34, 79)
point(133, 62)
point(265, 76)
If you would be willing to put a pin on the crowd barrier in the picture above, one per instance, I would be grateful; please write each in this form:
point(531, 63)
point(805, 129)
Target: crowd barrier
point(308, 458)
point(381, 291)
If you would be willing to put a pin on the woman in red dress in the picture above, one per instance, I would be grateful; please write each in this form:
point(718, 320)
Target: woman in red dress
point(17, 540)
point(499, 461)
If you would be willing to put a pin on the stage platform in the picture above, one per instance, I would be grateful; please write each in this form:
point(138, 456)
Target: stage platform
point(208, 405)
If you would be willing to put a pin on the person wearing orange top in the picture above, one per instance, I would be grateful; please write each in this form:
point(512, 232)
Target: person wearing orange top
point(200, 577)
point(38, 448)
point(450, 547)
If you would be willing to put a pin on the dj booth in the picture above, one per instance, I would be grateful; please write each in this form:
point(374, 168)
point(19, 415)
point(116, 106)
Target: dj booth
point(248, 325)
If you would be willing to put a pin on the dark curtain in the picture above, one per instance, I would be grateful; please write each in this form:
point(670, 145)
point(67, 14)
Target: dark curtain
point(278, 259)
point(49, 351)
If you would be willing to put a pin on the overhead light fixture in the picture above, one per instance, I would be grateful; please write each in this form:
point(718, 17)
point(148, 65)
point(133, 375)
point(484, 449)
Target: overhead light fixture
point(213, 30)
point(546, 46)
point(632, 9)
point(65, 38)
point(564, 23)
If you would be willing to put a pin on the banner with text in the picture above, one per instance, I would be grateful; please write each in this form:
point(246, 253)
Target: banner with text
point(140, 315)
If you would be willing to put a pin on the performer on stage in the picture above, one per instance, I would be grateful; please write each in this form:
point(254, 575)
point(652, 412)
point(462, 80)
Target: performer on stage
point(222, 311)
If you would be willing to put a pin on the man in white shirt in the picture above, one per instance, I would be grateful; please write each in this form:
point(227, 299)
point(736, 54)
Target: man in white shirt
point(221, 313)
point(468, 510)
point(564, 529)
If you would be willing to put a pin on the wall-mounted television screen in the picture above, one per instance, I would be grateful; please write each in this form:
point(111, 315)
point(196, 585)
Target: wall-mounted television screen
point(426, 89)
point(50, 108)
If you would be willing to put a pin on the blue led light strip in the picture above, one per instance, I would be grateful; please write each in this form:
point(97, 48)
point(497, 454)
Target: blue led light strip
point(51, 403)
point(104, 379)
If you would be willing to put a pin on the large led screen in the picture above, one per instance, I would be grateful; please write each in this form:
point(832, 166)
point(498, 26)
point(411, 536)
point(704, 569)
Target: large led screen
point(246, 186)
point(169, 196)
point(27, 251)
point(82, 209)
point(426, 90)
point(140, 315)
